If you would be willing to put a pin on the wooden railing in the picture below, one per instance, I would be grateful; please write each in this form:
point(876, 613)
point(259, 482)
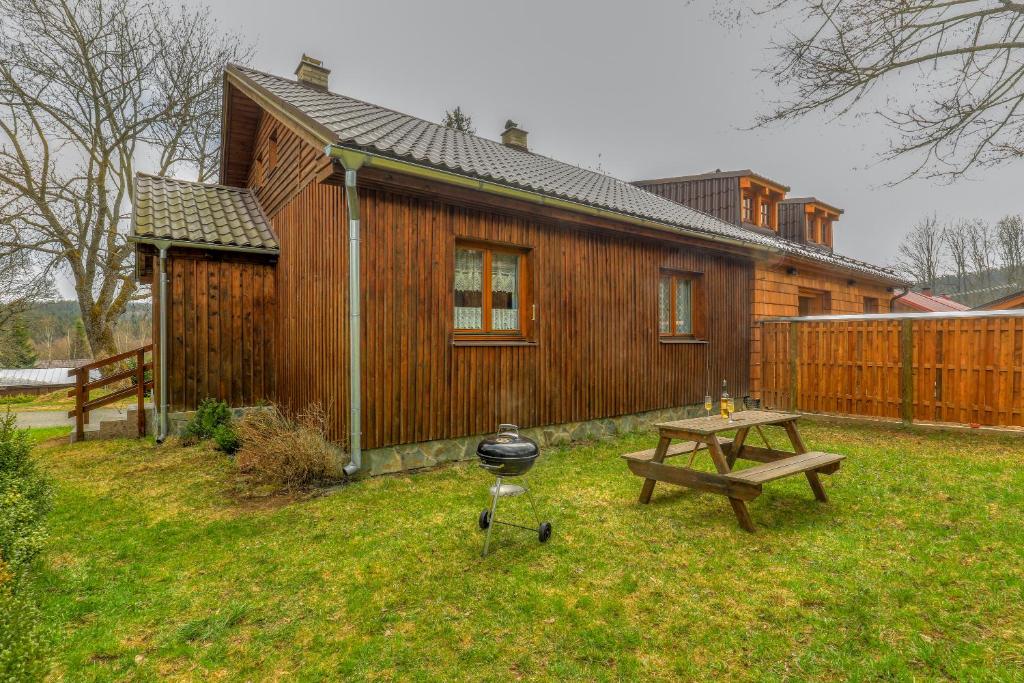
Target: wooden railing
point(961, 368)
point(138, 387)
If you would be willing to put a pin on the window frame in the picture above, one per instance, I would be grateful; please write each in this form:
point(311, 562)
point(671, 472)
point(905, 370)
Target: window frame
point(527, 309)
point(697, 305)
point(747, 208)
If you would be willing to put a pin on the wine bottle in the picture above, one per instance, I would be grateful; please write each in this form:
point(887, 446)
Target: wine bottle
point(725, 401)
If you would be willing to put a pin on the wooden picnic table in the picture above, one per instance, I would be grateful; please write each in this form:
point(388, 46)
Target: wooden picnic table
point(739, 486)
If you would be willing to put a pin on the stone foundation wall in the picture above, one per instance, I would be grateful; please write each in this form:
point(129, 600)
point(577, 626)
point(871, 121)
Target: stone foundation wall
point(416, 456)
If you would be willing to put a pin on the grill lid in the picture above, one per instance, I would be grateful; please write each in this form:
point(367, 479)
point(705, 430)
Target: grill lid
point(508, 445)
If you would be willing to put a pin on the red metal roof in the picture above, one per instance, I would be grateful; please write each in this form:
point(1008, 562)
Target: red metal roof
point(920, 301)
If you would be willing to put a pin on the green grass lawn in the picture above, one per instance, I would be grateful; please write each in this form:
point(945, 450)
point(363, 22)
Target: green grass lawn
point(914, 571)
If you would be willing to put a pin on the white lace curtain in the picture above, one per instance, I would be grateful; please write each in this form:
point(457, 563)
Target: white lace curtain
point(680, 319)
point(469, 275)
point(684, 317)
point(469, 271)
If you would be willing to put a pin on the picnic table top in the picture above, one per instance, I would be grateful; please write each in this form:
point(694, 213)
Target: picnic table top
point(714, 424)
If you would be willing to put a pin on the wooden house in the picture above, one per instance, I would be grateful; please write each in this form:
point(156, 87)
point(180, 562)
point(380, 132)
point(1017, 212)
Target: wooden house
point(809, 278)
point(1010, 302)
point(424, 284)
point(926, 302)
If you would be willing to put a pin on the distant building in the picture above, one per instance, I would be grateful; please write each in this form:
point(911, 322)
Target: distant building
point(34, 381)
point(926, 302)
point(1012, 301)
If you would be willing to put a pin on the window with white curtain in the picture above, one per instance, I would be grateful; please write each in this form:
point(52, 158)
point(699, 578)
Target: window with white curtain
point(677, 309)
point(488, 290)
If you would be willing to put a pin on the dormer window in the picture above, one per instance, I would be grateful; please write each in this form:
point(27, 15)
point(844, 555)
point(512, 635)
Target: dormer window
point(759, 200)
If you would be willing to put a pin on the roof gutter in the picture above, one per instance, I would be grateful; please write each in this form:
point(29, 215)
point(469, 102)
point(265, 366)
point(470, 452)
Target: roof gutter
point(348, 155)
point(185, 244)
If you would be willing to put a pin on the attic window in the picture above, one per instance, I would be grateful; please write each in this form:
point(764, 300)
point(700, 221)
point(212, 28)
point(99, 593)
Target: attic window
point(272, 152)
point(258, 171)
point(766, 215)
point(748, 208)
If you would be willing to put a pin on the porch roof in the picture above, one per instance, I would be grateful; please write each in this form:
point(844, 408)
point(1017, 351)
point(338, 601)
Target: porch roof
point(198, 215)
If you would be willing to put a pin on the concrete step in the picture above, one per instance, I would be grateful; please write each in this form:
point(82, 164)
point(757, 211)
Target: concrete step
point(121, 428)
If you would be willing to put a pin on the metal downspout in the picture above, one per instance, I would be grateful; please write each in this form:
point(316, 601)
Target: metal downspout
point(892, 300)
point(354, 326)
point(162, 418)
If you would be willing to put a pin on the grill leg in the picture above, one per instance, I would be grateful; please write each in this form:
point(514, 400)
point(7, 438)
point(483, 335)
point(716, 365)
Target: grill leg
point(529, 496)
point(494, 512)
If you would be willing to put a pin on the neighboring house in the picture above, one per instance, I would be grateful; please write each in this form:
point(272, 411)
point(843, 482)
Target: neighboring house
point(34, 381)
point(810, 278)
point(481, 282)
point(926, 302)
point(1012, 301)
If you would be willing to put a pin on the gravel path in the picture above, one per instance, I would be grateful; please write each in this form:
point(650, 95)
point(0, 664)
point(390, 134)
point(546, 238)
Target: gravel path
point(58, 418)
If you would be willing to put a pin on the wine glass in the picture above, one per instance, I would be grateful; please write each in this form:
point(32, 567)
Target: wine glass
point(730, 406)
point(707, 404)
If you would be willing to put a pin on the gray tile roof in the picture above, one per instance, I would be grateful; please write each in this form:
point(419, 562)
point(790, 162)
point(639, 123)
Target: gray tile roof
point(206, 215)
point(368, 127)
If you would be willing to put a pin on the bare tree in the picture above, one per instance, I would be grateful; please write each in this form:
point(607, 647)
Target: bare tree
point(87, 90)
point(957, 240)
point(983, 253)
point(1010, 241)
point(22, 284)
point(956, 67)
point(921, 255)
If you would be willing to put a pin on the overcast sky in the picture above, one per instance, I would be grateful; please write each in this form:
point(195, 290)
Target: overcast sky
point(637, 89)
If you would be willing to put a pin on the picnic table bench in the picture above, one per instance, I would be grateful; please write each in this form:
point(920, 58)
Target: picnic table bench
point(738, 486)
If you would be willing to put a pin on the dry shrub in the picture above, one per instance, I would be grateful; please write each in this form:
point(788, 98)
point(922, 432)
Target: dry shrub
point(287, 452)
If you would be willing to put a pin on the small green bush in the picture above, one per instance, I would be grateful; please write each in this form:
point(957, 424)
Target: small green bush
point(210, 414)
point(226, 438)
point(23, 649)
point(16, 399)
point(25, 497)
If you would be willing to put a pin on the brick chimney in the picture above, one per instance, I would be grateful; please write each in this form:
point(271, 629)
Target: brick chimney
point(311, 71)
point(514, 136)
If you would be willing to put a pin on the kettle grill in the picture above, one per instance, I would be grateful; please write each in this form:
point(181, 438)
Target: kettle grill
point(507, 454)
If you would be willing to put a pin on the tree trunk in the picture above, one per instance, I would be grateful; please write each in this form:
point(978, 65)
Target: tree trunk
point(98, 332)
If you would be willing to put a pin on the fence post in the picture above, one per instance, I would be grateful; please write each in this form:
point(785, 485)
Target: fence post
point(794, 368)
point(140, 393)
point(907, 371)
point(79, 402)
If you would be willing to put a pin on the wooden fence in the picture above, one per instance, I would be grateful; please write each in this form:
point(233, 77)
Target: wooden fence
point(964, 368)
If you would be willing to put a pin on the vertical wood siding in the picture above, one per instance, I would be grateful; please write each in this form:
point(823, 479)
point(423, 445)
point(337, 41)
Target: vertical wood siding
point(597, 352)
point(965, 370)
point(793, 222)
point(220, 329)
point(312, 310)
point(718, 196)
point(777, 294)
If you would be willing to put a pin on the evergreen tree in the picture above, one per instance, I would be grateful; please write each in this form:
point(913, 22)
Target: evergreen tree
point(459, 120)
point(79, 347)
point(17, 350)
